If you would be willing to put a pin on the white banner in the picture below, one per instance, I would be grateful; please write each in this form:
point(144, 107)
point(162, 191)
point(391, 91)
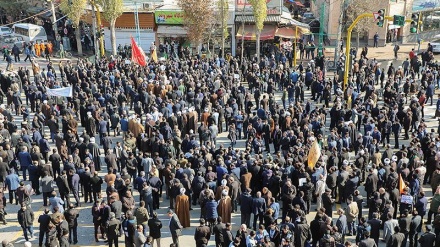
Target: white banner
point(60, 92)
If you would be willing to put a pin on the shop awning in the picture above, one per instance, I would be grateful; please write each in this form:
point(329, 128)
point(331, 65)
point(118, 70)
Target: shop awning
point(171, 31)
point(249, 32)
point(297, 3)
point(251, 18)
point(287, 32)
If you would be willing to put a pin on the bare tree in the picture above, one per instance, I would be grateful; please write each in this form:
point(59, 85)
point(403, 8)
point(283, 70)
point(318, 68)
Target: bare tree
point(356, 8)
point(111, 10)
point(197, 17)
point(74, 11)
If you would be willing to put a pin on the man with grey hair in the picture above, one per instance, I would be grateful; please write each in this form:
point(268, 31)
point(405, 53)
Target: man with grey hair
point(258, 209)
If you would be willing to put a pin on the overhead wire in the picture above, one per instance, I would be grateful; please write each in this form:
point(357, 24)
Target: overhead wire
point(38, 14)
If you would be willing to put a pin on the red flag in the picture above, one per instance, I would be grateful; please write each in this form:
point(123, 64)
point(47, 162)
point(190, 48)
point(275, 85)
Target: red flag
point(137, 55)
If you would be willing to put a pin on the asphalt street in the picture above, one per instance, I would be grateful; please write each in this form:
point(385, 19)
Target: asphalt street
point(13, 232)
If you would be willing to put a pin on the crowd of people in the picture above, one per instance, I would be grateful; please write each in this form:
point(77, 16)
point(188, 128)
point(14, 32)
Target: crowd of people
point(169, 115)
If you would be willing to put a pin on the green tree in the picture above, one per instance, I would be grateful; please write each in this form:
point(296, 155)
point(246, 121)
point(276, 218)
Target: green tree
point(111, 10)
point(259, 9)
point(197, 18)
point(356, 8)
point(14, 8)
point(74, 10)
point(223, 7)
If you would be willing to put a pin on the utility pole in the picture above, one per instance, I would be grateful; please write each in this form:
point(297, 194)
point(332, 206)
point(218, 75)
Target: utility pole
point(95, 40)
point(321, 30)
point(223, 26)
point(99, 35)
point(339, 36)
point(54, 20)
point(242, 32)
point(136, 21)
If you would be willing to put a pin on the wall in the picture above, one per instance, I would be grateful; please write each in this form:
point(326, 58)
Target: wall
point(126, 20)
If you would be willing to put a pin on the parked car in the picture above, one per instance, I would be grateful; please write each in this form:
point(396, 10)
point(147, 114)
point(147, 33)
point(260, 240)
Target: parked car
point(10, 40)
point(307, 17)
point(5, 31)
point(435, 45)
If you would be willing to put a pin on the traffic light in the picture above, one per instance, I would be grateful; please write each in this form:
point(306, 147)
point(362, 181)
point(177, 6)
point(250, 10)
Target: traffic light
point(414, 23)
point(381, 17)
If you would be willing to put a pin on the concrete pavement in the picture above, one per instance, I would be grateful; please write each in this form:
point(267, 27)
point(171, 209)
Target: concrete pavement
point(12, 230)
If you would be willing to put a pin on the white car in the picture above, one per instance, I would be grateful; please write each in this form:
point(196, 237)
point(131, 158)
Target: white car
point(435, 46)
point(5, 31)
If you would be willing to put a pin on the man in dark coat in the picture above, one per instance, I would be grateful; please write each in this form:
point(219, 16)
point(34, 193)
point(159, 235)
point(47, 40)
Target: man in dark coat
point(414, 228)
point(90, 125)
point(375, 224)
point(246, 207)
point(202, 234)
point(25, 217)
point(95, 152)
point(56, 161)
point(258, 209)
point(74, 185)
point(427, 238)
point(113, 230)
point(63, 187)
point(44, 221)
point(318, 228)
point(302, 233)
point(175, 227)
point(328, 202)
point(71, 216)
point(367, 241)
point(219, 230)
point(371, 183)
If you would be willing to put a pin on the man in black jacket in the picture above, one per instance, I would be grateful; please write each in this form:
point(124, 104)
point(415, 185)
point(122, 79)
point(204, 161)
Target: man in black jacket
point(71, 216)
point(113, 230)
point(375, 224)
point(96, 182)
point(219, 230)
point(246, 207)
point(25, 218)
point(258, 209)
point(428, 238)
point(202, 234)
point(63, 187)
point(44, 221)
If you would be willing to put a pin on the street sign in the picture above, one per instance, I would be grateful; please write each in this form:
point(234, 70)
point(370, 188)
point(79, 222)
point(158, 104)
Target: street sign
point(399, 20)
point(376, 15)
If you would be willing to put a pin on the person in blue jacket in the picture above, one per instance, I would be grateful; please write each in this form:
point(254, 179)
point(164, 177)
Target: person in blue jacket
point(12, 183)
point(25, 160)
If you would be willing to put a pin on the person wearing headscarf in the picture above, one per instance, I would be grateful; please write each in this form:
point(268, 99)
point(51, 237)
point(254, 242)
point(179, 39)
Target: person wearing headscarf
point(182, 208)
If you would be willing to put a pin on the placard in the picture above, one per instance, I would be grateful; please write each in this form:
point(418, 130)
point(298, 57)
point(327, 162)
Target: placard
point(406, 199)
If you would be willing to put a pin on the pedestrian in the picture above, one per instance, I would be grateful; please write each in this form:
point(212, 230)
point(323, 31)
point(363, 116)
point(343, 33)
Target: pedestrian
point(44, 221)
point(376, 40)
point(139, 239)
point(112, 231)
point(175, 227)
point(25, 217)
point(71, 215)
point(202, 234)
point(154, 224)
point(12, 183)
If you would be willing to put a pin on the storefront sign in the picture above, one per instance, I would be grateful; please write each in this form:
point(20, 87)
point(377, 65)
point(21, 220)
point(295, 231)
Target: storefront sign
point(424, 5)
point(273, 6)
point(168, 17)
